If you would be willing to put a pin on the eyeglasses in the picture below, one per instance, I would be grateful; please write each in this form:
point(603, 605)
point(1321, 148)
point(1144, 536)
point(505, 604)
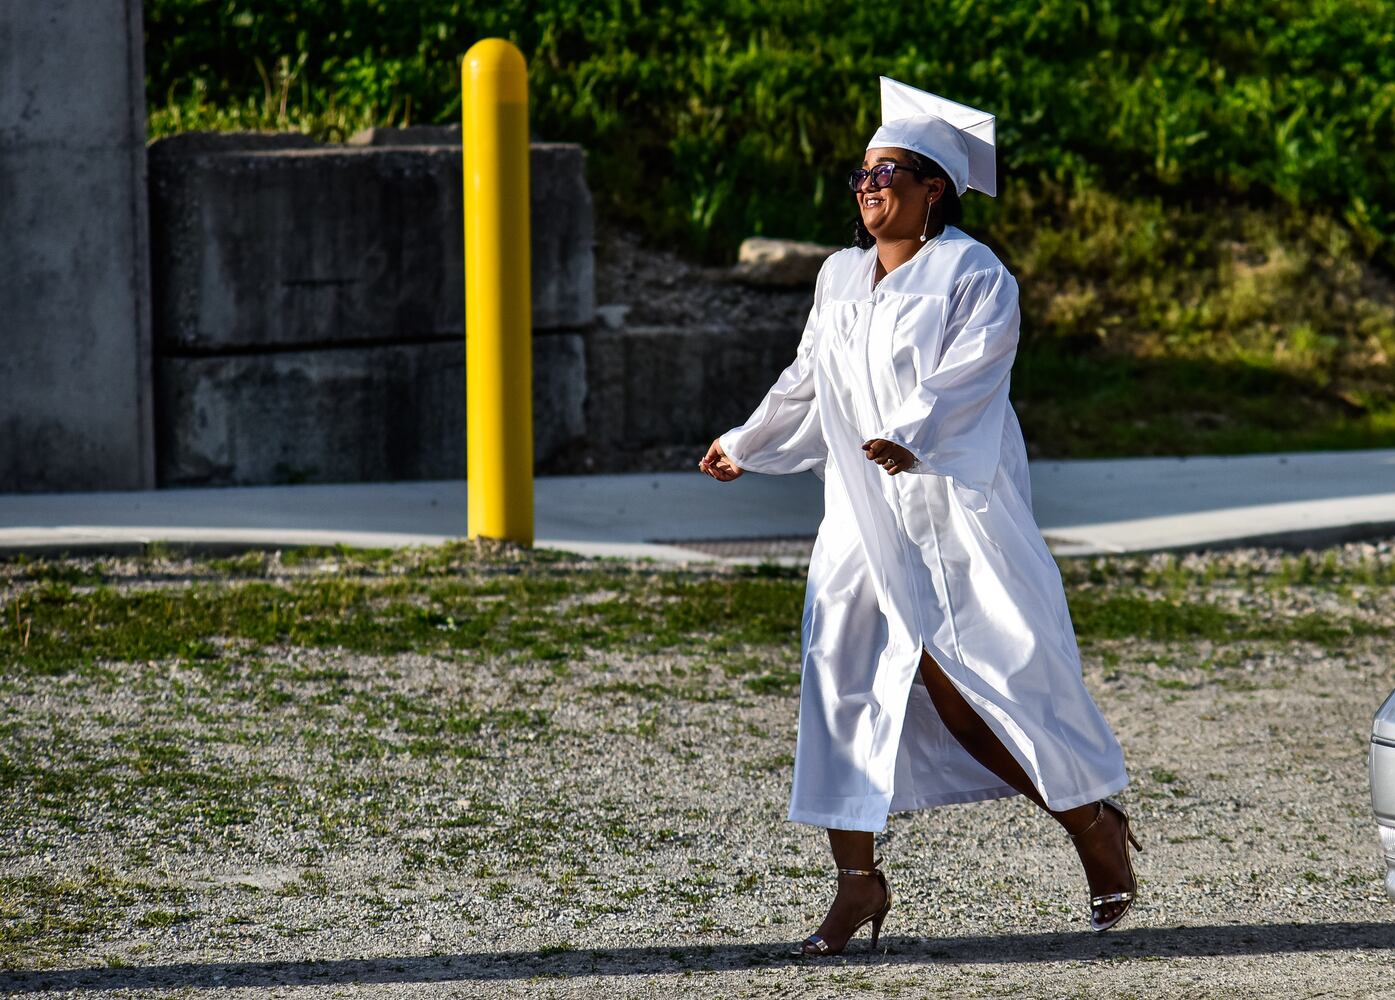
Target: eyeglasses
point(882, 175)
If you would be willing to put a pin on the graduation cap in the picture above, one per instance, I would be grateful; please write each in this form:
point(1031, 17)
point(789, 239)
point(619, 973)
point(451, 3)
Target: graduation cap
point(957, 137)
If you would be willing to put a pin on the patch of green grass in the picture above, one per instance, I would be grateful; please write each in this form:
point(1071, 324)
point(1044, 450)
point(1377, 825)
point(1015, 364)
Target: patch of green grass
point(42, 916)
point(310, 882)
point(1172, 683)
point(64, 571)
point(142, 773)
point(1125, 617)
point(66, 628)
point(1179, 574)
point(774, 682)
point(249, 564)
point(157, 918)
point(337, 554)
point(1099, 616)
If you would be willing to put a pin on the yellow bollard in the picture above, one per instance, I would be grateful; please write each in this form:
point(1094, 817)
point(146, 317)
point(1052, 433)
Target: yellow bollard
point(498, 292)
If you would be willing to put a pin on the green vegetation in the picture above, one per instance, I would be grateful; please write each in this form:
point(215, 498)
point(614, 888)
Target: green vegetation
point(1194, 195)
point(1155, 327)
point(733, 117)
point(51, 913)
point(535, 616)
point(554, 612)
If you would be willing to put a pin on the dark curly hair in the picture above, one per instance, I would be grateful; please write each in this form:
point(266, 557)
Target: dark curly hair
point(950, 211)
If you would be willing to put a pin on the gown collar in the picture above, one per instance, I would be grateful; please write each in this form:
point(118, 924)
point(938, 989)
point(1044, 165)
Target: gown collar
point(870, 286)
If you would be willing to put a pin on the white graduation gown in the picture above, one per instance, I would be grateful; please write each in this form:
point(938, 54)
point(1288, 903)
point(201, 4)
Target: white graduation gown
point(947, 556)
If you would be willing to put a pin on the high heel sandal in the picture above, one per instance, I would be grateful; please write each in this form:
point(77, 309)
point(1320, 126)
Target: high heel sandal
point(1097, 902)
point(813, 945)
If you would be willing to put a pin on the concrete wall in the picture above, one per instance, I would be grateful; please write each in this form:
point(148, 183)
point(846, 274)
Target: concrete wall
point(652, 391)
point(348, 415)
point(310, 310)
point(309, 320)
point(75, 399)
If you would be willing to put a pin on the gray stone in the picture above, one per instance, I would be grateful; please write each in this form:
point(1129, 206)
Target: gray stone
point(353, 414)
point(764, 261)
point(613, 316)
point(411, 135)
point(299, 247)
point(75, 401)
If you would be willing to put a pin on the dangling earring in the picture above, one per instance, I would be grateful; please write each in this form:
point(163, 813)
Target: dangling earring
point(929, 205)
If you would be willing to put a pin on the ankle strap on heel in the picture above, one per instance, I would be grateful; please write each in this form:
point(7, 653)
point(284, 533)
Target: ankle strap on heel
point(1099, 815)
point(862, 871)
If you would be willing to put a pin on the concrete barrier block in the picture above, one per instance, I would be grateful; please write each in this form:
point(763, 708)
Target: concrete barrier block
point(559, 397)
point(75, 393)
point(359, 414)
point(649, 387)
point(564, 268)
point(303, 247)
point(346, 415)
point(310, 246)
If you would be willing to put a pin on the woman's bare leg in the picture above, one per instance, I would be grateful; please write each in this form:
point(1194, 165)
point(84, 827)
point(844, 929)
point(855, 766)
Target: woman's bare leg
point(1106, 866)
point(858, 895)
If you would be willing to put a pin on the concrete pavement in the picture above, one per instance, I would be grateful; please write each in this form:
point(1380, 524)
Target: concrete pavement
point(1083, 508)
point(1159, 504)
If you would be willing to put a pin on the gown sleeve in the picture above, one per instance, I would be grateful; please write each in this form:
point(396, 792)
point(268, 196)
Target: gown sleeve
point(953, 421)
point(783, 434)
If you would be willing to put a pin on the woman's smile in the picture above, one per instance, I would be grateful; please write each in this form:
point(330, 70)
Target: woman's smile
point(877, 209)
point(887, 203)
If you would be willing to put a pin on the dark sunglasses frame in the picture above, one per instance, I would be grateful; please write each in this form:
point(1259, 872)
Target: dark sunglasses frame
point(883, 174)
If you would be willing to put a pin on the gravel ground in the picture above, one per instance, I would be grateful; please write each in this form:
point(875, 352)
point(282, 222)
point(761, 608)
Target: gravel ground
point(613, 825)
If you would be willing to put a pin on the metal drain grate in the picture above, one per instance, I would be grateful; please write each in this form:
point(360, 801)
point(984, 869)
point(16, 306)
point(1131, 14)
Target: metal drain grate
point(746, 548)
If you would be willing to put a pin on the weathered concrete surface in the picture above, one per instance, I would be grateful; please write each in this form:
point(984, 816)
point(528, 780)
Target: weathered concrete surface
point(309, 323)
point(559, 398)
point(74, 290)
point(260, 245)
point(648, 387)
point(603, 401)
point(355, 414)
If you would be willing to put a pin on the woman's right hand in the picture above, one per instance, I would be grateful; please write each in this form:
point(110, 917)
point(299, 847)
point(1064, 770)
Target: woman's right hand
point(717, 465)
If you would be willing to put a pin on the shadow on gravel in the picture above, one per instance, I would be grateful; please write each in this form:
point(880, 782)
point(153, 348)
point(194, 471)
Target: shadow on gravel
point(1144, 943)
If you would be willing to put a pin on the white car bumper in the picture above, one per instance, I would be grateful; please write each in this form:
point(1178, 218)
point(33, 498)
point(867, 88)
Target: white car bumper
point(1383, 785)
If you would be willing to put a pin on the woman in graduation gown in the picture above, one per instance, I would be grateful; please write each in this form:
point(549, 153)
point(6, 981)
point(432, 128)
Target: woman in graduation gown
point(939, 661)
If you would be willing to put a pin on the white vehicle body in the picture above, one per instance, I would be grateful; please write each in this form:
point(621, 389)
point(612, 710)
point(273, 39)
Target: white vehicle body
point(1383, 784)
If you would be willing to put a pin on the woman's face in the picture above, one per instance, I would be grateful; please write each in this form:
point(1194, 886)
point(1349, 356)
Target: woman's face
point(896, 212)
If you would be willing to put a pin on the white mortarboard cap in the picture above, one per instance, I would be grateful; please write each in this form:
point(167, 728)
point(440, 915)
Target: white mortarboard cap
point(957, 137)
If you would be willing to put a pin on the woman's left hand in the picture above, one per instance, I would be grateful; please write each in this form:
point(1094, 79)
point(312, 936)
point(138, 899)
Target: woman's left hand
point(889, 455)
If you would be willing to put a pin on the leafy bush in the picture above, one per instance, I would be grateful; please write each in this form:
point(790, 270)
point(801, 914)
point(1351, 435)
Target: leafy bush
point(1157, 327)
point(1191, 190)
point(709, 121)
